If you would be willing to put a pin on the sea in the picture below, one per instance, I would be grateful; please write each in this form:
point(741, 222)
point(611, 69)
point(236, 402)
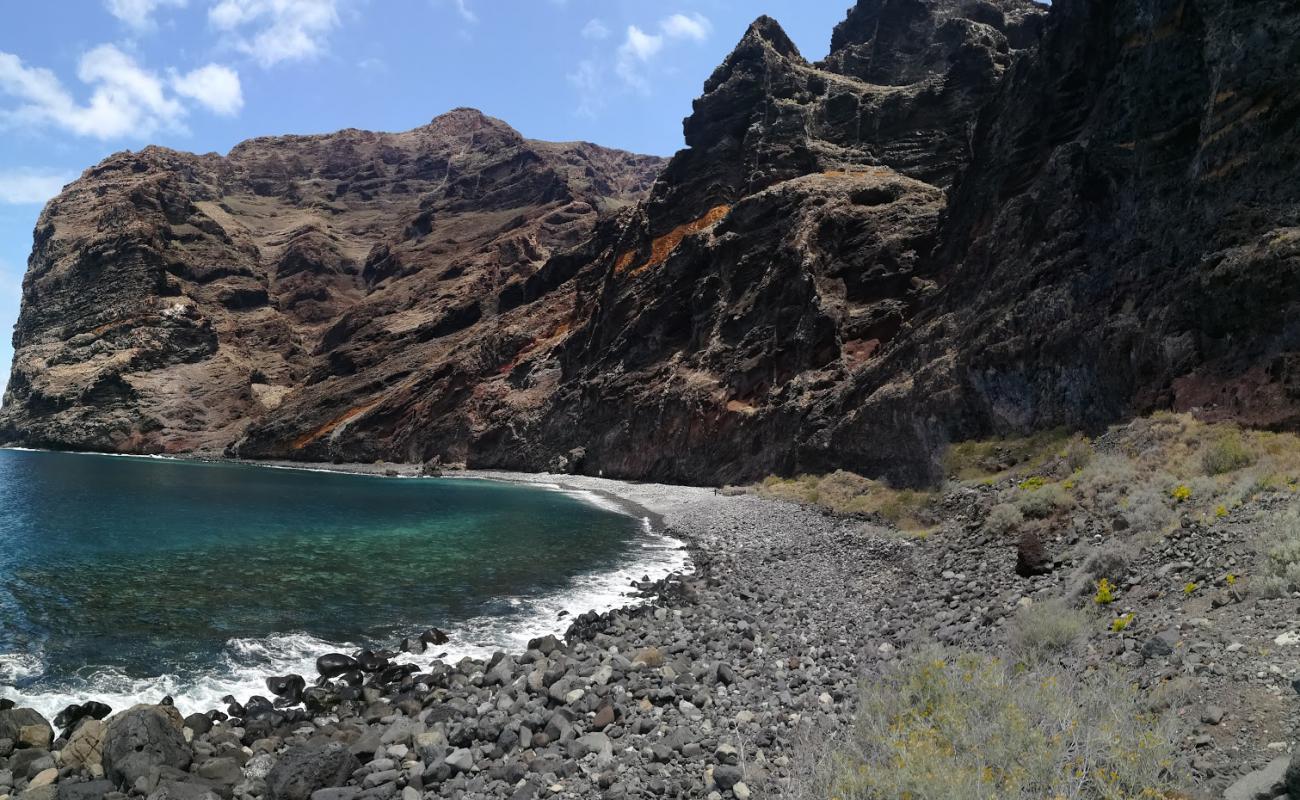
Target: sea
point(125, 579)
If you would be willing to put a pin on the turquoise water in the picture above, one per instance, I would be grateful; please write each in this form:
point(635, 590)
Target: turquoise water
point(124, 578)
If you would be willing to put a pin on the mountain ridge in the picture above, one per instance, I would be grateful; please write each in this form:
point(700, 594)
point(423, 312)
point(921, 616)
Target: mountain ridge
point(971, 218)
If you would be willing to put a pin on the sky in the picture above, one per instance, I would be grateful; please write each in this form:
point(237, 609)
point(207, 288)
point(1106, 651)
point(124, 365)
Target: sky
point(81, 79)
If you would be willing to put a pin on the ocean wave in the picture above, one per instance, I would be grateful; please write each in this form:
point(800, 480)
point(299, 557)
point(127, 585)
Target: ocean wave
point(246, 662)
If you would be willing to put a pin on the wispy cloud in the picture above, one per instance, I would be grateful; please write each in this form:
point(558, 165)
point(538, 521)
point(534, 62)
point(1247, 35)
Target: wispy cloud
point(633, 60)
point(139, 14)
point(466, 13)
point(586, 80)
point(637, 49)
point(125, 100)
point(275, 31)
point(595, 30)
point(31, 186)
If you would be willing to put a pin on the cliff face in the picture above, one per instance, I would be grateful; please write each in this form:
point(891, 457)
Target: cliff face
point(974, 216)
point(174, 300)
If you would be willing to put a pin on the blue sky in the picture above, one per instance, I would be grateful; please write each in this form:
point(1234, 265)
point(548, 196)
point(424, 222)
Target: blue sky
point(85, 78)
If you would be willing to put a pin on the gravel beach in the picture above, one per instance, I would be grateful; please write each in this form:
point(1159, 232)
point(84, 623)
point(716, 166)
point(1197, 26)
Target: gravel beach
point(732, 680)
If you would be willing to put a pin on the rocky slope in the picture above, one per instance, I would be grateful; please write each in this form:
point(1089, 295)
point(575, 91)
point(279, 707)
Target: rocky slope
point(974, 216)
point(172, 299)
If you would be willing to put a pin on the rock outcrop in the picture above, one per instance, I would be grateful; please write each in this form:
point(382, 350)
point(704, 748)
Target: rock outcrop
point(973, 217)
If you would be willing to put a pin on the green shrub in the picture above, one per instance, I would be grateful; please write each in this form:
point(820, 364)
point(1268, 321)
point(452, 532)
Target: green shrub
point(1044, 632)
point(1002, 519)
point(1227, 453)
point(966, 727)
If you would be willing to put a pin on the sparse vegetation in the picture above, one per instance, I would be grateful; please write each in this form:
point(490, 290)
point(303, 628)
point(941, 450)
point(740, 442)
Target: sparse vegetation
point(1043, 502)
point(976, 460)
point(1044, 632)
point(1228, 452)
point(846, 493)
point(1282, 561)
point(1105, 593)
point(1003, 519)
point(969, 728)
point(1121, 623)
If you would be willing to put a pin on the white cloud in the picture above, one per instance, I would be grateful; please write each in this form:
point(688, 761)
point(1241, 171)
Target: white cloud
point(214, 87)
point(679, 26)
point(595, 30)
point(637, 49)
point(272, 31)
point(126, 99)
point(29, 186)
point(641, 45)
point(139, 13)
point(640, 48)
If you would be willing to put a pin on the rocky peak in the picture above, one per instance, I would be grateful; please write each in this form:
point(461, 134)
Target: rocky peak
point(464, 121)
point(902, 42)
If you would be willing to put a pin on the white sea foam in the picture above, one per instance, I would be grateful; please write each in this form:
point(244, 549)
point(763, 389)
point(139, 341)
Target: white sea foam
point(247, 662)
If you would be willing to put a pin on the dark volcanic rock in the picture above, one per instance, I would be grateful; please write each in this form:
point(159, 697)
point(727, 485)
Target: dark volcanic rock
point(305, 285)
point(25, 727)
point(303, 770)
point(142, 739)
point(972, 217)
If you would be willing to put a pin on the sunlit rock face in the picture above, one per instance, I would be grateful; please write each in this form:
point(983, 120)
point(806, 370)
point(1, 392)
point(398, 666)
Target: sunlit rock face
point(972, 217)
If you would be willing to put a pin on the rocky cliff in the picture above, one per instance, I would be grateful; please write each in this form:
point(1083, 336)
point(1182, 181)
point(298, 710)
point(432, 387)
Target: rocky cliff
point(974, 216)
point(174, 300)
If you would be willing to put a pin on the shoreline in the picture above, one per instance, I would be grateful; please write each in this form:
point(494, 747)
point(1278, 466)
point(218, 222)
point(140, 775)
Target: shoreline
point(634, 573)
point(736, 678)
point(658, 685)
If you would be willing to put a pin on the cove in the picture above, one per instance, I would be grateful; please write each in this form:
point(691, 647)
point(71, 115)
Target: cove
point(125, 578)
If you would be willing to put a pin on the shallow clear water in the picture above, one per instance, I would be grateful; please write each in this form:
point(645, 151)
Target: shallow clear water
point(124, 578)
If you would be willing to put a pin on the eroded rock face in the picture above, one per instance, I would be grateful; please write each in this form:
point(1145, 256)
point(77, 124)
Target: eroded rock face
point(172, 300)
point(974, 216)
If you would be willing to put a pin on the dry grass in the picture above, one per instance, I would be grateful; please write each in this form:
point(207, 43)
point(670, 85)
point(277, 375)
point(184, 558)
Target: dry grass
point(846, 493)
point(989, 459)
point(967, 727)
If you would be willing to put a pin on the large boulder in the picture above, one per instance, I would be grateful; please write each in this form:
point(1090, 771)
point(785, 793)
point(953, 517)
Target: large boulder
point(26, 728)
point(86, 747)
point(303, 770)
point(1266, 782)
point(141, 739)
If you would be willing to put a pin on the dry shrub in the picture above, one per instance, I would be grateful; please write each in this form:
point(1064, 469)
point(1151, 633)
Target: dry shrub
point(1045, 632)
point(847, 493)
point(1228, 452)
point(1002, 519)
point(1281, 574)
point(965, 727)
point(1044, 501)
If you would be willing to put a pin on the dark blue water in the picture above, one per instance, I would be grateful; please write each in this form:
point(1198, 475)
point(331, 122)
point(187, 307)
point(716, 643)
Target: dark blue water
point(124, 578)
